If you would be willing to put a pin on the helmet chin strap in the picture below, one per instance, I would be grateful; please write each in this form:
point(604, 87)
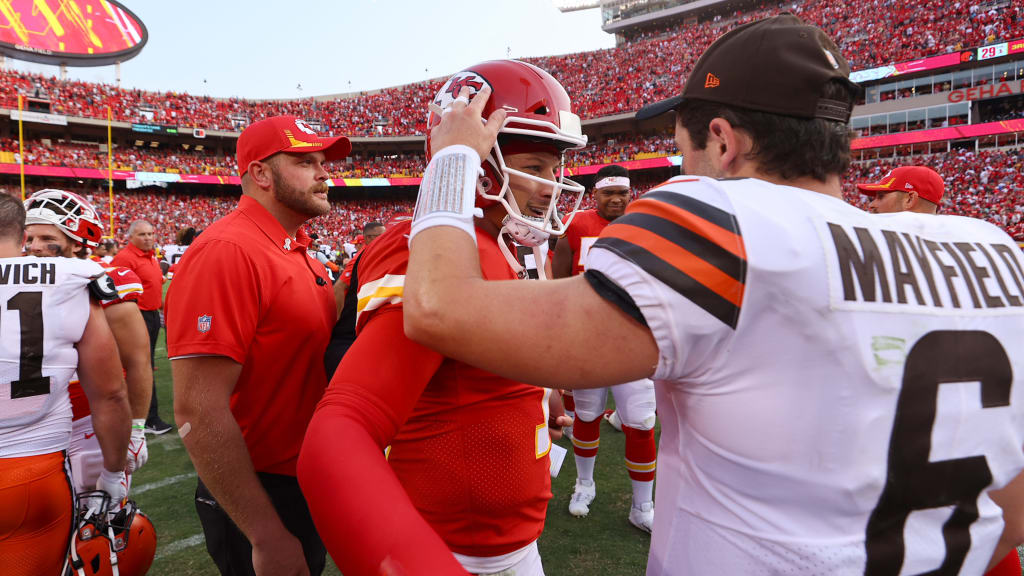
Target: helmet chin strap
point(513, 262)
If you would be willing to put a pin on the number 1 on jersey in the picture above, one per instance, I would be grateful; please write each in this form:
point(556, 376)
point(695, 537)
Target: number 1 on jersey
point(31, 381)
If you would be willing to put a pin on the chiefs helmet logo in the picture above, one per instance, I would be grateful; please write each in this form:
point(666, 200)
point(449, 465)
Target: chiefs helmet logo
point(457, 84)
point(450, 91)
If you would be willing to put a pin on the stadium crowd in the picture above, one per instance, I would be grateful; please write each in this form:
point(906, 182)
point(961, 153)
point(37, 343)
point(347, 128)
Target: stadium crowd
point(988, 184)
point(615, 148)
point(601, 82)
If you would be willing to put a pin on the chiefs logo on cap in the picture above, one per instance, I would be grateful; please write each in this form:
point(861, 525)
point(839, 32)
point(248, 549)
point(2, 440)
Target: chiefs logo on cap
point(301, 125)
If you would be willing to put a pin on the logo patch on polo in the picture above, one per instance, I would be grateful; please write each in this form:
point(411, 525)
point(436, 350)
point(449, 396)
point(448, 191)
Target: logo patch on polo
point(204, 323)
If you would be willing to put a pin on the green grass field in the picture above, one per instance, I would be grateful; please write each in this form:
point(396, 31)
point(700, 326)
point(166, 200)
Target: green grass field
point(604, 543)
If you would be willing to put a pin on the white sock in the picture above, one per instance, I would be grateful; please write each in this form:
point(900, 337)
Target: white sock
point(585, 467)
point(570, 414)
point(643, 491)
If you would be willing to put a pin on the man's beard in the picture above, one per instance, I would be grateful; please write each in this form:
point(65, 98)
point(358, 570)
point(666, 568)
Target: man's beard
point(301, 201)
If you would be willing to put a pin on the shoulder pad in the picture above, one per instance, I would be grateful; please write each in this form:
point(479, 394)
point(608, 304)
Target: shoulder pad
point(102, 288)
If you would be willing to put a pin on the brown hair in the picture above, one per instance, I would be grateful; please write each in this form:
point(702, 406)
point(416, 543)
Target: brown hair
point(12, 218)
point(786, 146)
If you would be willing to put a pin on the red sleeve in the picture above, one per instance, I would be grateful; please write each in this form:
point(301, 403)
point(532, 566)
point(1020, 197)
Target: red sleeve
point(127, 283)
point(213, 304)
point(361, 511)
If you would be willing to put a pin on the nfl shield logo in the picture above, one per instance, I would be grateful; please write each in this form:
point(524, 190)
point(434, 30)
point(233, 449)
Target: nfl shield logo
point(203, 325)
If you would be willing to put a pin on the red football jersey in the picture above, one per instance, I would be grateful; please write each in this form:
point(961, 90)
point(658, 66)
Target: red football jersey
point(129, 288)
point(473, 454)
point(581, 235)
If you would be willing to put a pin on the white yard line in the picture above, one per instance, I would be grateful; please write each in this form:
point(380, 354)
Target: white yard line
point(161, 483)
point(179, 545)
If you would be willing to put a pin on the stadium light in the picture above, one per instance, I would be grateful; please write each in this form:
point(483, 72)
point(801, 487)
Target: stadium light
point(574, 5)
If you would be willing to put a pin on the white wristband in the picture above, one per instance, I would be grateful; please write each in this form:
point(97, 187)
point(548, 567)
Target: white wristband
point(448, 191)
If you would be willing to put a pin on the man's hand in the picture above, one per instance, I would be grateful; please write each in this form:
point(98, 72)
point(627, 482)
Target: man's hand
point(138, 453)
point(115, 484)
point(281, 557)
point(557, 419)
point(461, 123)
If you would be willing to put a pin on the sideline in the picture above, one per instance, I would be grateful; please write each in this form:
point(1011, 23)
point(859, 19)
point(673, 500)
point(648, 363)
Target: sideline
point(178, 546)
point(161, 483)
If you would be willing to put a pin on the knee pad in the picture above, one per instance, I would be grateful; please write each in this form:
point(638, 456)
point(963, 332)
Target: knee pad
point(635, 404)
point(590, 403)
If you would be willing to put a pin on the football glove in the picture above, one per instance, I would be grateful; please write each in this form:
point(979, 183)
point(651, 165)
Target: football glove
point(138, 453)
point(115, 484)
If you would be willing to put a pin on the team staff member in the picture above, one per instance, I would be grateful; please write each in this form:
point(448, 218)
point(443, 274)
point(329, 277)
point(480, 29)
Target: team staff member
point(634, 401)
point(139, 256)
point(51, 232)
point(823, 374)
point(906, 189)
point(248, 315)
point(51, 326)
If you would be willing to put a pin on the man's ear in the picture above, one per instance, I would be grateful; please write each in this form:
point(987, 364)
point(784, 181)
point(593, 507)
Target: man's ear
point(727, 146)
point(911, 201)
point(260, 173)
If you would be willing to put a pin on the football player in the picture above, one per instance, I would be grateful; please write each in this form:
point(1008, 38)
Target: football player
point(49, 232)
point(839, 392)
point(634, 401)
point(468, 468)
point(51, 323)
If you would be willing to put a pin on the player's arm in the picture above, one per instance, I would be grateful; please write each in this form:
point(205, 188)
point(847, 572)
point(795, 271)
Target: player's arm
point(100, 374)
point(129, 329)
point(361, 511)
point(1011, 499)
point(561, 266)
point(132, 338)
point(210, 433)
point(449, 307)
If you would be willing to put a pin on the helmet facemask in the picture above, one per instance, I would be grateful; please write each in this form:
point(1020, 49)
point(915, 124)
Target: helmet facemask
point(530, 230)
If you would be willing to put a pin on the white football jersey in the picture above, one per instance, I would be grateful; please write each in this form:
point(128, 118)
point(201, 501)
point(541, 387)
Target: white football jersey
point(44, 307)
point(834, 386)
point(173, 253)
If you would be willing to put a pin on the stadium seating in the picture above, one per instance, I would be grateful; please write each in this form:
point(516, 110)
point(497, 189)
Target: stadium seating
point(602, 82)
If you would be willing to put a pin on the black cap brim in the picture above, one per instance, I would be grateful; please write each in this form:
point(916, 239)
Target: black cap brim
point(658, 108)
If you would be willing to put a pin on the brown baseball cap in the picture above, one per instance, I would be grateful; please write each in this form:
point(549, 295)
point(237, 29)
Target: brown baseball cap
point(921, 179)
point(778, 65)
point(267, 137)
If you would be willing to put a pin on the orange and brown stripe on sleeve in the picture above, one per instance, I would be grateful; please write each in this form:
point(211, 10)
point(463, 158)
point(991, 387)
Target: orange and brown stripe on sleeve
point(692, 247)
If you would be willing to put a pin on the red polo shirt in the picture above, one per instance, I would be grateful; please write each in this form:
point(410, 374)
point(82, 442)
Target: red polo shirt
point(147, 267)
point(246, 290)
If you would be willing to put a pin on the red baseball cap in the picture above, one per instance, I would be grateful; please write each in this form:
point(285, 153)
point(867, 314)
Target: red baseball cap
point(921, 179)
point(285, 134)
